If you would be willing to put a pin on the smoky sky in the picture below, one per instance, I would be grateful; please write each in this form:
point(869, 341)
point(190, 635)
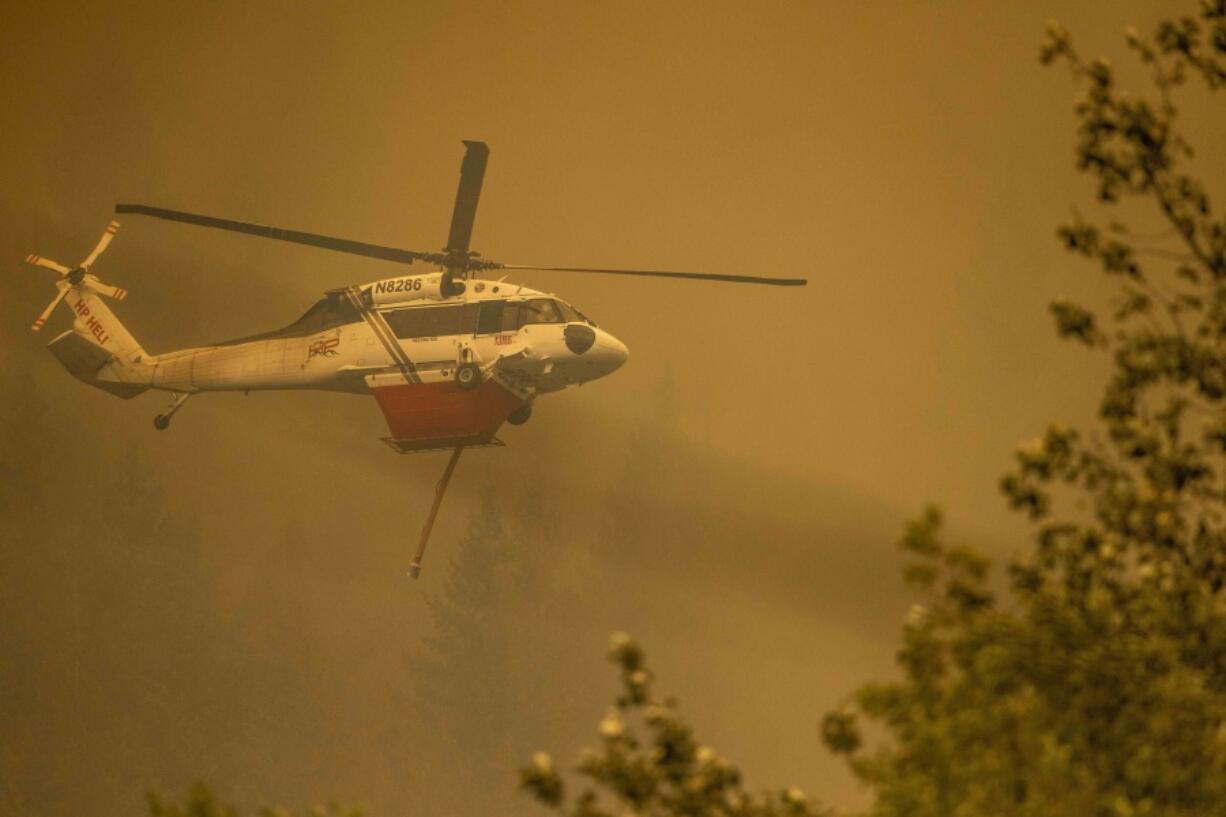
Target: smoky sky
point(911, 160)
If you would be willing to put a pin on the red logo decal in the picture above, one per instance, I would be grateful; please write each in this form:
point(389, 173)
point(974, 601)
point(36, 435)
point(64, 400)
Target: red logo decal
point(324, 348)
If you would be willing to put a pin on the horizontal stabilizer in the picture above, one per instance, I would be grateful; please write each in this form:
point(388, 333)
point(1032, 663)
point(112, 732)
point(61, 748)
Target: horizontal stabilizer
point(83, 359)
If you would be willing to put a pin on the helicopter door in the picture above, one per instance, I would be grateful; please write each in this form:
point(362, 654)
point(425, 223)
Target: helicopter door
point(433, 336)
point(496, 325)
point(489, 318)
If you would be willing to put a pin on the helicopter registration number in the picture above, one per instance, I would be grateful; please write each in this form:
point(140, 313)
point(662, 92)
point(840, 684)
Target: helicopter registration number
point(398, 285)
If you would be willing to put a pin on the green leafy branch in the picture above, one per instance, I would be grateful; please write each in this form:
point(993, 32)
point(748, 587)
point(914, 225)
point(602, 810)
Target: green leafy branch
point(649, 763)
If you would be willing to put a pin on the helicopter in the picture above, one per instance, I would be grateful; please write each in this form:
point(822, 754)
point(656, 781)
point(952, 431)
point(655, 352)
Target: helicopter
point(449, 357)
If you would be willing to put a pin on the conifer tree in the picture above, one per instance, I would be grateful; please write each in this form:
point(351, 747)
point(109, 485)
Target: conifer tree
point(460, 676)
point(488, 678)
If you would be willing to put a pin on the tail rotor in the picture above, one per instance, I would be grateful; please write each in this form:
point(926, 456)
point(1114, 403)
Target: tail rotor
point(78, 276)
point(41, 319)
point(47, 263)
point(103, 243)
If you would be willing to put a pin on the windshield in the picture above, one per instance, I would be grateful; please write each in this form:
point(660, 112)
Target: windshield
point(539, 310)
point(569, 313)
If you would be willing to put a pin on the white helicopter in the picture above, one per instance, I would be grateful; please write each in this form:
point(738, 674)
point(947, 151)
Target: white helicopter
point(448, 357)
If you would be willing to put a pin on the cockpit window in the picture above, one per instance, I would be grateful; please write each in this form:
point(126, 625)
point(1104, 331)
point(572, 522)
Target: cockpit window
point(507, 316)
point(569, 313)
point(539, 310)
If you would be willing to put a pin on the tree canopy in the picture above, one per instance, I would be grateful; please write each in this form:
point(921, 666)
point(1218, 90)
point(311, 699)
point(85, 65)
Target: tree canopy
point(665, 771)
point(1094, 681)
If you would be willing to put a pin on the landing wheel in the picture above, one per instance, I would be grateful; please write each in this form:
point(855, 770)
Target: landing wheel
point(161, 422)
point(520, 415)
point(468, 376)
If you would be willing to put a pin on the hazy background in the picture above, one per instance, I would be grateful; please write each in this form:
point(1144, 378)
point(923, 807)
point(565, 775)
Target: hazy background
point(227, 599)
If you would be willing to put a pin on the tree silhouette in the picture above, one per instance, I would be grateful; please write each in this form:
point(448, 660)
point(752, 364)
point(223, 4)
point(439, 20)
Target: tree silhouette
point(665, 771)
point(1097, 685)
point(487, 679)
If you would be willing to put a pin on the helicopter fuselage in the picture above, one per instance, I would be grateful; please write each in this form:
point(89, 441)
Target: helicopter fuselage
point(530, 341)
point(448, 358)
point(445, 369)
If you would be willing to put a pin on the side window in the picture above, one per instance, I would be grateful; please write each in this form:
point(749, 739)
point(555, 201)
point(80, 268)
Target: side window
point(468, 320)
point(489, 317)
point(453, 320)
point(406, 323)
point(432, 321)
point(539, 310)
point(510, 317)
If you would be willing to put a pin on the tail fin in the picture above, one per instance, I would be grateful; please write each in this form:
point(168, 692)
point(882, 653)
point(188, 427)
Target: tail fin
point(99, 350)
point(95, 321)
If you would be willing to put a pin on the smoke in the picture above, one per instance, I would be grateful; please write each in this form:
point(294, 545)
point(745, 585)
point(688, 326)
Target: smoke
point(226, 600)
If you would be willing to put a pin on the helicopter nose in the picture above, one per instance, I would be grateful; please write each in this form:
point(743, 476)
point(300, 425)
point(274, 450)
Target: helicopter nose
point(609, 351)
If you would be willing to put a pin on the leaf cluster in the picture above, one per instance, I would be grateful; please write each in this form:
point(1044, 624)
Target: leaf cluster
point(649, 763)
point(1097, 685)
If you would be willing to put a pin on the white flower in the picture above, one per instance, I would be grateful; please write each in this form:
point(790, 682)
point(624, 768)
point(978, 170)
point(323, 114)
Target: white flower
point(915, 614)
point(619, 641)
point(611, 725)
point(794, 795)
point(655, 713)
point(542, 762)
point(1032, 448)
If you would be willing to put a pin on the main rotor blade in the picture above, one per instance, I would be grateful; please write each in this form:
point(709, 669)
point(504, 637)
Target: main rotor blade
point(59, 296)
point(292, 236)
point(102, 245)
point(472, 173)
point(47, 263)
point(695, 276)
